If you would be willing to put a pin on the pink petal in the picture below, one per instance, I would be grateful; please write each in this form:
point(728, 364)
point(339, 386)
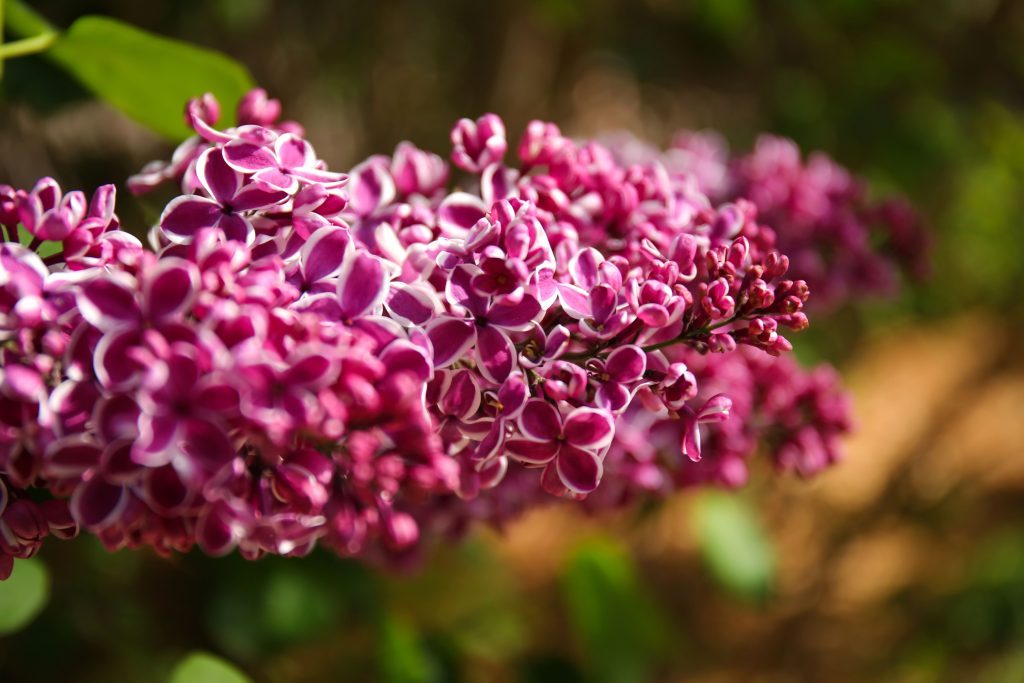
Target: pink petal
point(495, 354)
point(512, 395)
point(108, 302)
point(716, 409)
point(169, 288)
point(276, 179)
point(654, 315)
point(517, 316)
point(362, 284)
point(451, 339)
point(236, 228)
point(575, 301)
point(532, 452)
point(324, 253)
point(626, 364)
point(584, 267)
point(691, 438)
point(97, 504)
point(462, 397)
point(70, 457)
point(459, 212)
point(370, 187)
point(253, 197)
point(579, 470)
point(540, 421)
point(294, 152)
point(611, 396)
point(412, 304)
point(186, 215)
point(219, 179)
point(248, 157)
point(589, 428)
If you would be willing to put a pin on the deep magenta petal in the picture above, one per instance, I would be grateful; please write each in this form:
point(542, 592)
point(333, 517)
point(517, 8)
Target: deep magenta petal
point(589, 428)
point(324, 253)
point(248, 157)
point(187, 215)
point(97, 504)
point(626, 364)
point(495, 354)
point(579, 470)
point(108, 303)
point(531, 452)
point(540, 421)
point(451, 339)
point(219, 179)
point(362, 284)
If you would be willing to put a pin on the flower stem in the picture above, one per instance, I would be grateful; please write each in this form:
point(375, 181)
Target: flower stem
point(27, 46)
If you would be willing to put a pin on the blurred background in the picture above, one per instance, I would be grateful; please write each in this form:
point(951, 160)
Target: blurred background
point(904, 564)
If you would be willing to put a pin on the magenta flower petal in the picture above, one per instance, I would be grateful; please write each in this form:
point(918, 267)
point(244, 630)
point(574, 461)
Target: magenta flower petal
point(512, 395)
point(589, 428)
point(362, 284)
point(532, 452)
point(236, 228)
point(186, 215)
point(71, 457)
point(690, 443)
point(716, 409)
point(540, 421)
point(108, 303)
point(611, 396)
point(461, 399)
point(294, 152)
point(170, 288)
point(575, 301)
point(97, 504)
point(248, 157)
point(277, 179)
point(579, 470)
point(253, 197)
point(451, 338)
point(459, 212)
point(495, 354)
point(217, 178)
point(412, 304)
point(626, 364)
point(370, 187)
point(515, 316)
point(324, 253)
point(654, 315)
point(215, 530)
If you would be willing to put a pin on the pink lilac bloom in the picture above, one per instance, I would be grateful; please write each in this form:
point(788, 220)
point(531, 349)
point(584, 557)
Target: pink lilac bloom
point(374, 360)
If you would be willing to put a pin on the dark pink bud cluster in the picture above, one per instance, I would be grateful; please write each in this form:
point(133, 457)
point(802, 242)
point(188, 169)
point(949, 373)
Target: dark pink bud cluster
point(363, 359)
point(841, 242)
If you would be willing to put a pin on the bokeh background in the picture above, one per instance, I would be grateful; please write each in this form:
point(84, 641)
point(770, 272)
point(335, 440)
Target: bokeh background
point(904, 564)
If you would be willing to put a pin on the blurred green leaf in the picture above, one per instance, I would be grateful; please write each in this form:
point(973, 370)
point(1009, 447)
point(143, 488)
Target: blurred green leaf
point(735, 549)
point(202, 667)
point(620, 629)
point(23, 595)
point(147, 76)
point(401, 657)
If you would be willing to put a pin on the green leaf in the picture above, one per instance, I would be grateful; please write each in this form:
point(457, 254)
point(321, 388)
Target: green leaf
point(735, 549)
point(202, 667)
point(23, 595)
point(616, 622)
point(147, 76)
point(401, 657)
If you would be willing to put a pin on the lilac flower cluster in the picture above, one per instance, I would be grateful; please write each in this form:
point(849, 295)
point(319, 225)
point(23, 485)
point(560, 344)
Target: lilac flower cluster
point(843, 243)
point(304, 356)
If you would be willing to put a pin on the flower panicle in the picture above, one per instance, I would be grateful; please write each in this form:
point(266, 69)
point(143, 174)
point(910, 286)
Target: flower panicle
point(369, 359)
